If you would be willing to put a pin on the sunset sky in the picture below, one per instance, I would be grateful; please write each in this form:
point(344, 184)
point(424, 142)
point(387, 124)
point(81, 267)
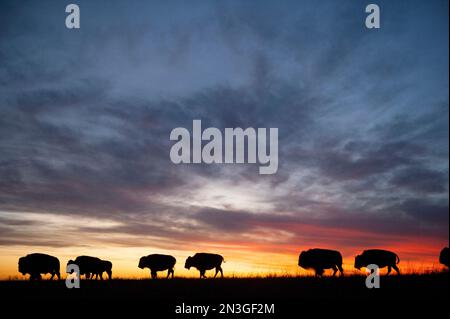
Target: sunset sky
point(85, 119)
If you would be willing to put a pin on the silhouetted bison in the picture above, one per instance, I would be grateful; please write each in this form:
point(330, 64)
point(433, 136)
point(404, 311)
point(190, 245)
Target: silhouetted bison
point(204, 262)
point(90, 266)
point(379, 257)
point(444, 256)
point(37, 264)
point(157, 263)
point(321, 259)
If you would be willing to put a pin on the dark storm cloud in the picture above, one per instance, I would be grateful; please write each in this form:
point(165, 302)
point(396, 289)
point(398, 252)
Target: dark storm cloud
point(427, 211)
point(101, 154)
point(421, 180)
point(385, 221)
point(85, 115)
point(359, 161)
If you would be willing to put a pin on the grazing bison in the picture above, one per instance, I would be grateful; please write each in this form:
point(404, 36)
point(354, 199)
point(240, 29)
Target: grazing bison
point(90, 266)
point(379, 257)
point(37, 264)
point(157, 263)
point(204, 262)
point(321, 259)
point(444, 256)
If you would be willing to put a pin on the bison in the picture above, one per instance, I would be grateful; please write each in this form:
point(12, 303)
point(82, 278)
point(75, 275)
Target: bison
point(204, 262)
point(444, 256)
point(37, 264)
point(157, 263)
point(321, 259)
point(379, 257)
point(90, 266)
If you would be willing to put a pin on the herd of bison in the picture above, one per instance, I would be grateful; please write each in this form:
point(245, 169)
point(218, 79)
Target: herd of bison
point(315, 259)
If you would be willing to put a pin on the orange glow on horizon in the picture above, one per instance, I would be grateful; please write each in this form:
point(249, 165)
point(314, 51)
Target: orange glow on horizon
point(249, 262)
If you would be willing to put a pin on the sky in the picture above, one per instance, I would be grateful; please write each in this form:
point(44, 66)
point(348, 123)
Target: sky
point(86, 114)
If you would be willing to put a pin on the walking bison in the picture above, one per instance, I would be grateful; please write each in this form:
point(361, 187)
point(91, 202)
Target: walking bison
point(204, 262)
point(37, 264)
point(92, 266)
point(444, 256)
point(321, 259)
point(379, 257)
point(157, 263)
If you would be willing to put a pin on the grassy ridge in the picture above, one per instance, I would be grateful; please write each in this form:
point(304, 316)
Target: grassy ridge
point(287, 289)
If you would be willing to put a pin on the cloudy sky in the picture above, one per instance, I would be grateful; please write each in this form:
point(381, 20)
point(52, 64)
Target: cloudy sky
point(85, 119)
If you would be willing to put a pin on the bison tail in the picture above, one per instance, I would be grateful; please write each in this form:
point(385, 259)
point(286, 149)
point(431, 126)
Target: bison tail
point(397, 259)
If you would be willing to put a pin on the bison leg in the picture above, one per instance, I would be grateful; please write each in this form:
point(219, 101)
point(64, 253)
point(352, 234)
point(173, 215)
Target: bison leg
point(109, 274)
point(153, 274)
point(319, 272)
point(389, 270)
point(35, 276)
point(217, 271)
point(396, 269)
point(202, 274)
point(341, 270)
point(334, 270)
point(170, 272)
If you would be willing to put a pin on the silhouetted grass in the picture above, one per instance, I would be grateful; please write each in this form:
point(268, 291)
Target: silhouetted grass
point(266, 288)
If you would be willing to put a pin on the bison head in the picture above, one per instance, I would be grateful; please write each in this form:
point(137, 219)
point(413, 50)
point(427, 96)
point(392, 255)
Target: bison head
point(444, 256)
point(188, 263)
point(141, 263)
point(303, 260)
point(23, 265)
point(359, 262)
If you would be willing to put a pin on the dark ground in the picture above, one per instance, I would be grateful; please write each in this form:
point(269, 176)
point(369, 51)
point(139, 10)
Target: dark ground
point(288, 294)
